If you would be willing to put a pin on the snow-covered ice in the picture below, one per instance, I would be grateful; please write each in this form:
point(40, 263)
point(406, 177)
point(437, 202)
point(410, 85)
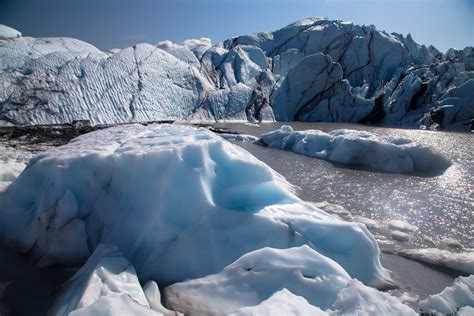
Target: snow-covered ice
point(386, 153)
point(281, 303)
point(107, 284)
point(255, 276)
point(252, 280)
point(458, 296)
point(164, 194)
point(358, 299)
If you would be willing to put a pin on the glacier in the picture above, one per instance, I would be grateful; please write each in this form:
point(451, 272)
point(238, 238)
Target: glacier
point(315, 69)
point(385, 153)
point(119, 186)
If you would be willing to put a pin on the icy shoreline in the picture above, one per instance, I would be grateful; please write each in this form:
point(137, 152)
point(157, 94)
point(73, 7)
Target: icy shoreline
point(398, 225)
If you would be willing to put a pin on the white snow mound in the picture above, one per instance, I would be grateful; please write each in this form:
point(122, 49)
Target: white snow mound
point(385, 153)
point(166, 195)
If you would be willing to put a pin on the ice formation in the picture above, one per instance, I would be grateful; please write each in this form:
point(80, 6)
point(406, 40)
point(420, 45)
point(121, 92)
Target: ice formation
point(107, 284)
point(462, 261)
point(362, 148)
point(12, 162)
point(281, 303)
point(164, 194)
point(311, 70)
point(458, 297)
point(238, 137)
point(252, 280)
point(255, 276)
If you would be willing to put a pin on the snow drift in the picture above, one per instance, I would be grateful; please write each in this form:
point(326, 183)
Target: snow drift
point(362, 148)
point(166, 195)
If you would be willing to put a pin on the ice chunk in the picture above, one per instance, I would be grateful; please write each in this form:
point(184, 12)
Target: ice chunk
point(451, 299)
point(463, 261)
point(282, 303)
point(153, 295)
point(238, 137)
point(345, 146)
point(402, 225)
point(358, 299)
point(112, 306)
point(164, 194)
point(255, 276)
point(107, 283)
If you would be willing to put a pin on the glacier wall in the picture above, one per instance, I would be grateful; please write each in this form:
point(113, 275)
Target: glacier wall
point(312, 70)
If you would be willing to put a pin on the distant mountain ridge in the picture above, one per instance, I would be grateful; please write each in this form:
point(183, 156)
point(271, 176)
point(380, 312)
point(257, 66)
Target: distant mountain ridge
point(312, 70)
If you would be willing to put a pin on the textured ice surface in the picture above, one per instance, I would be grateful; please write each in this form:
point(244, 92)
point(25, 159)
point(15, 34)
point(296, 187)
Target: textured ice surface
point(282, 303)
point(106, 284)
point(358, 299)
point(362, 148)
point(458, 296)
point(311, 70)
point(164, 194)
point(254, 277)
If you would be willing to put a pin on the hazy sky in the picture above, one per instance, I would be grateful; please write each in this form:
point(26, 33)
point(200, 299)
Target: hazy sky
point(120, 23)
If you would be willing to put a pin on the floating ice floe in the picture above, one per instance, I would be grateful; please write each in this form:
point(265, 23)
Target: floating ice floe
point(238, 137)
point(385, 153)
point(166, 195)
point(457, 299)
point(463, 261)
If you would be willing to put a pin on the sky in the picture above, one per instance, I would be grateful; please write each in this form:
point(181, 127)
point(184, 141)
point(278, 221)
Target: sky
point(122, 23)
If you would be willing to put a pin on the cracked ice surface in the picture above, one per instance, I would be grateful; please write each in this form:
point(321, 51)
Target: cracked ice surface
point(311, 70)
